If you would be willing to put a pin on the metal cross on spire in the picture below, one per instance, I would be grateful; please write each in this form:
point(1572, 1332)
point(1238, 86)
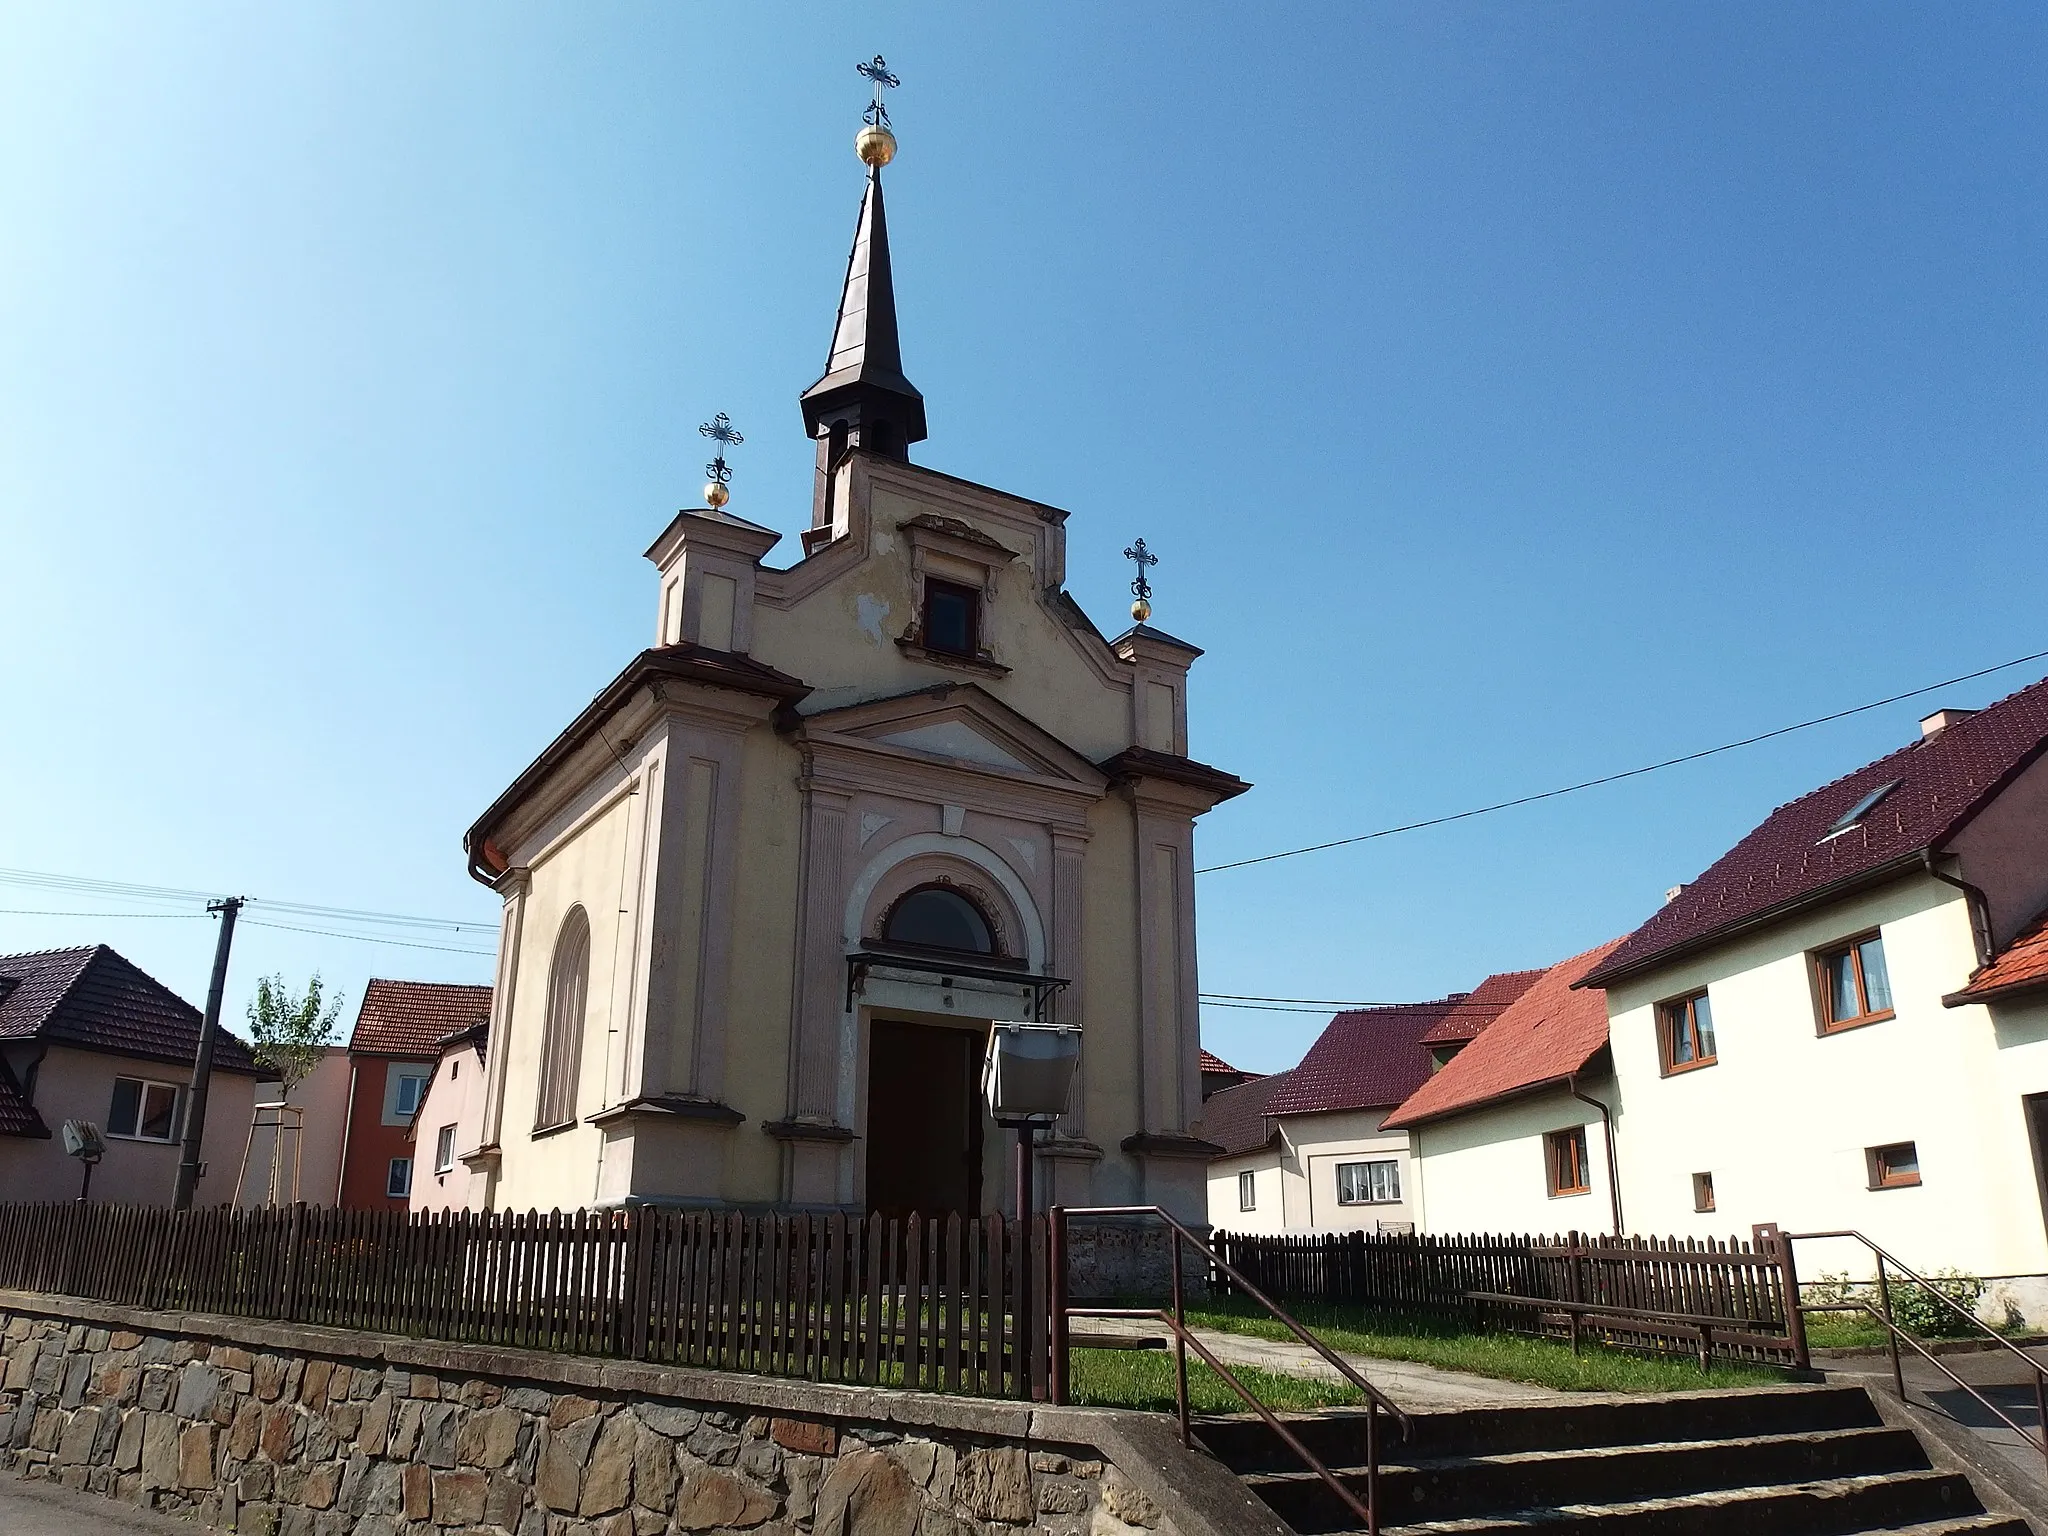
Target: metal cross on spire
point(877, 115)
point(722, 432)
point(1141, 589)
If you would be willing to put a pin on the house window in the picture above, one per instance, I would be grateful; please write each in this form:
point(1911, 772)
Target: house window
point(444, 1149)
point(1894, 1167)
point(1565, 1154)
point(952, 618)
point(1247, 1191)
point(1703, 1191)
point(1685, 1033)
point(144, 1110)
point(411, 1089)
point(1375, 1183)
point(562, 1037)
point(1855, 986)
point(398, 1179)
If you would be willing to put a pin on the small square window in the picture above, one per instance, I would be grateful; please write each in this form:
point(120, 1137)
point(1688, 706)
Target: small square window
point(1374, 1183)
point(952, 618)
point(1894, 1167)
point(144, 1110)
point(1685, 1033)
point(444, 1150)
point(398, 1179)
point(1565, 1154)
point(1703, 1191)
point(411, 1089)
point(1247, 1191)
point(1855, 985)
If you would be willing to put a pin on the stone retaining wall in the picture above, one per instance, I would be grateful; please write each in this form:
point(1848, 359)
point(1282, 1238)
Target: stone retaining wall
point(277, 1430)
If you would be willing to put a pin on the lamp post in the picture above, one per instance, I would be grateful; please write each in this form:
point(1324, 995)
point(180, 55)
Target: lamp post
point(82, 1140)
point(1028, 1077)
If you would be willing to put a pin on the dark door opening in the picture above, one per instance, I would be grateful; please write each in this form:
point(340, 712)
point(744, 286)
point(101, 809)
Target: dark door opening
point(2036, 1105)
point(924, 1119)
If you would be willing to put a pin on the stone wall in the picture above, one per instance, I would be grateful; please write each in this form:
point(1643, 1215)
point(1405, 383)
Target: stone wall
point(279, 1430)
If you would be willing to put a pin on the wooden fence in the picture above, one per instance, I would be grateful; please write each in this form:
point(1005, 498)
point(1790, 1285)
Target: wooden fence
point(1677, 1287)
point(931, 1304)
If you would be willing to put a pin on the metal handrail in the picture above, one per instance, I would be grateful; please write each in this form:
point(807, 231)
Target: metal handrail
point(1376, 1401)
point(1894, 1333)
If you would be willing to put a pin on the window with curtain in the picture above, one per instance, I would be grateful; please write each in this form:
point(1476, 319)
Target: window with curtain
point(1855, 984)
point(562, 1044)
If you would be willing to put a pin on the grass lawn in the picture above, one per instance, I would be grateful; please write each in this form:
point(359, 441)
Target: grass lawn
point(1143, 1378)
point(1507, 1356)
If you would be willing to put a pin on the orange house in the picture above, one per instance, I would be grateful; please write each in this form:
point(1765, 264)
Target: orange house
point(397, 1041)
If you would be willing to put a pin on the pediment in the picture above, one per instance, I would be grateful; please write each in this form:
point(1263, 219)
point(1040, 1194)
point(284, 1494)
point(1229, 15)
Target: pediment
point(961, 725)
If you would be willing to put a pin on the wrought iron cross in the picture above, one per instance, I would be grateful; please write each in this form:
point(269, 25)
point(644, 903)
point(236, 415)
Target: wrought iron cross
point(1141, 557)
point(722, 432)
point(877, 115)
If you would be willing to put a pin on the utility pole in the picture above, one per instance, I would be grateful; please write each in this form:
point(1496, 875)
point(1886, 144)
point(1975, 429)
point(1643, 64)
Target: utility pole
point(202, 1064)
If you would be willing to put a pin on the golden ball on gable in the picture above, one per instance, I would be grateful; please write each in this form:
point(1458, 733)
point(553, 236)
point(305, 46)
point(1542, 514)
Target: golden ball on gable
point(875, 146)
point(1141, 610)
point(716, 495)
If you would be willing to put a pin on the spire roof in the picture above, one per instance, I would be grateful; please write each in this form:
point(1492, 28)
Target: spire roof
point(864, 377)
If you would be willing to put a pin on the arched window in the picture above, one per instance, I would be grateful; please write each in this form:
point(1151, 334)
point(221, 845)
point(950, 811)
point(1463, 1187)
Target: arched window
point(938, 917)
point(561, 1047)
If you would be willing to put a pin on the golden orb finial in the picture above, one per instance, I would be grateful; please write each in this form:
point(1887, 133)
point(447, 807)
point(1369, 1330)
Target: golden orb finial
point(722, 432)
point(716, 494)
point(1141, 610)
point(875, 146)
point(1141, 589)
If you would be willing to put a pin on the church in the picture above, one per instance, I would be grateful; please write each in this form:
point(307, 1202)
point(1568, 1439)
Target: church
point(767, 898)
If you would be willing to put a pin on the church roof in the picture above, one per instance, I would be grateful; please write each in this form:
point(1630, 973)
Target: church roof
point(866, 359)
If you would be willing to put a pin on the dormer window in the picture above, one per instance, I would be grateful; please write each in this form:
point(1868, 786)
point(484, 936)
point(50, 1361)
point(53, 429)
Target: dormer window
point(952, 618)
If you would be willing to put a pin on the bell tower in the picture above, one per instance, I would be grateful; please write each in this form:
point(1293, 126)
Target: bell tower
point(863, 400)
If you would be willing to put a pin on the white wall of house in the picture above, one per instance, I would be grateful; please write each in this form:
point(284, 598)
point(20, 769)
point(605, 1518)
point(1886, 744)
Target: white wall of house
point(72, 1084)
point(1297, 1184)
point(1226, 1202)
point(1785, 1118)
point(454, 1104)
point(1487, 1170)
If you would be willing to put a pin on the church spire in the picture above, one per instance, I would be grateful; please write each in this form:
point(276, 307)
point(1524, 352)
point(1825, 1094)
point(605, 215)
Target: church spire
point(864, 400)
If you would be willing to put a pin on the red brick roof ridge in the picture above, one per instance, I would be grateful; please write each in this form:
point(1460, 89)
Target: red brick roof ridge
point(1514, 1054)
point(413, 1018)
point(1786, 859)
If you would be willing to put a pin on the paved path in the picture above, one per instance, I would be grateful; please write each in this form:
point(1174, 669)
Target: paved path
point(1994, 1372)
point(42, 1509)
point(1408, 1384)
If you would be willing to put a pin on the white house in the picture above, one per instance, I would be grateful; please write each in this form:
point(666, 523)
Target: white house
point(1842, 1024)
point(1308, 1150)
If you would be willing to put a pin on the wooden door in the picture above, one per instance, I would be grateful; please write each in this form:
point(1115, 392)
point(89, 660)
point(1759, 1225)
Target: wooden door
point(924, 1119)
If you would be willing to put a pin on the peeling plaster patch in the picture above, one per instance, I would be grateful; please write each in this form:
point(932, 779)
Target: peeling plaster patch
point(872, 822)
point(1027, 851)
point(869, 611)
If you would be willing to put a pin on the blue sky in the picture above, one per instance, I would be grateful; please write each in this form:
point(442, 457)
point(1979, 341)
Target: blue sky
point(1513, 394)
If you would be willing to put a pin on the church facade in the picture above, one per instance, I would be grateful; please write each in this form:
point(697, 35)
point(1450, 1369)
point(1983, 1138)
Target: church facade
point(765, 899)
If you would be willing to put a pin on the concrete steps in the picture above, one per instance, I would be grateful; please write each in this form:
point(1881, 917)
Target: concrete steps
point(1774, 1462)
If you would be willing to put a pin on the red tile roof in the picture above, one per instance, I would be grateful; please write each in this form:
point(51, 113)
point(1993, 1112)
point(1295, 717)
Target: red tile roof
point(412, 1018)
point(1372, 1057)
point(94, 1000)
point(1544, 1036)
point(1942, 781)
point(1214, 1063)
point(2022, 967)
point(1235, 1118)
point(1476, 1010)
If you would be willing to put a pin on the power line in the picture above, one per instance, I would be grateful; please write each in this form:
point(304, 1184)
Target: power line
point(1615, 778)
point(48, 912)
point(87, 886)
point(1335, 1002)
point(368, 938)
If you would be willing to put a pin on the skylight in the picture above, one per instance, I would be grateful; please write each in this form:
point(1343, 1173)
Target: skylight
point(1859, 810)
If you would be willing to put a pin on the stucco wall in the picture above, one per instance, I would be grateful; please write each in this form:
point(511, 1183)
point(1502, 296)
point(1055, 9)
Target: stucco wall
point(1486, 1171)
point(376, 1133)
point(454, 1098)
point(1268, 1215)
point(79, 1085)
point(322, 1095)
point(1785, 1117)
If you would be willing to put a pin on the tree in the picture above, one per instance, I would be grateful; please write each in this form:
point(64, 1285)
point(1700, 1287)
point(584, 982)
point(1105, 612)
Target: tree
point(291, 1028)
